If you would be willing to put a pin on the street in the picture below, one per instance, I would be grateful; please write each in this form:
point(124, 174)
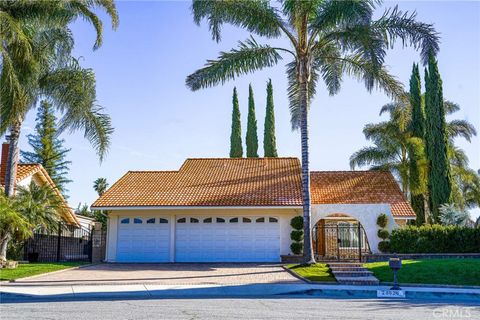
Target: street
point(253, 308)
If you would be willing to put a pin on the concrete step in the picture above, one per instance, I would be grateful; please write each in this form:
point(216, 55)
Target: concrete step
point(352, 273)
point(370, 280)
point(345, 265)
point(347, 268)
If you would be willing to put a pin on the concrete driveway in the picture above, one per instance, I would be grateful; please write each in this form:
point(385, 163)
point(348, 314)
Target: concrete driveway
point(167, 274)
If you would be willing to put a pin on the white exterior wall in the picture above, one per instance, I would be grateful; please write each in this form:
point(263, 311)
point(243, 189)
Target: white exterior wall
point(366, 214)
point(284, 217)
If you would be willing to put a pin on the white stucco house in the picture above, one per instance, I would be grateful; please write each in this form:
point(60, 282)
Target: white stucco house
point(239, 210)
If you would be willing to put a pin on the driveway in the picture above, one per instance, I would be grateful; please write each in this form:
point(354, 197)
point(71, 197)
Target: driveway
point(167, 274)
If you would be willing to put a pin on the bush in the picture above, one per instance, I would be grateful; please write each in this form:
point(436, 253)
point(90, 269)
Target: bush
point(383, 234)
point(384, 246)
point(435, 239)
point(296, 247)
point(297, 223)
point(296, 235)
point(382, 220)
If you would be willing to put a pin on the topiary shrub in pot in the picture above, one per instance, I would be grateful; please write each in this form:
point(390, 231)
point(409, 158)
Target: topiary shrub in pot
point(297, 235)
point(382, 233)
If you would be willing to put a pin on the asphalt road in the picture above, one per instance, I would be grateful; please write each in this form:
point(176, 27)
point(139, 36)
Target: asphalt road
point(280, 308)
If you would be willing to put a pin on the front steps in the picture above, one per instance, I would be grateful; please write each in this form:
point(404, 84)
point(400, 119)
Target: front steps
point(352, 273)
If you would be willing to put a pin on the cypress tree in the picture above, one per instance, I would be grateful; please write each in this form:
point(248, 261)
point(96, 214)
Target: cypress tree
point(236, 149)
point(439, 180)
point(47, 148)
point(417, 127)
point(269, 140)
point(252, 138)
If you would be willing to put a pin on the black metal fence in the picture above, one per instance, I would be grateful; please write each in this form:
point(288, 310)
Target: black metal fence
point(339, 240)
point(68, 244)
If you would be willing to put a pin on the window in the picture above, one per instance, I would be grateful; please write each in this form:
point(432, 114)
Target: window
point(194, 220)
point(125, 221)
point(246, 220)
point(260, 220)
point(137, 221)
point(207, 220)
point(151, 220)
point(220, 220)
point(347, 235)
point(272, 220)
point(182, 220)
point(234, 220)
point(162, 220)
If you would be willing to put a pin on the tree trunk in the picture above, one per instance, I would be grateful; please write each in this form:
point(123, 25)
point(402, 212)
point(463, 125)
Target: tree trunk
point(12, 161)
point(308, 256)
point(3, 247)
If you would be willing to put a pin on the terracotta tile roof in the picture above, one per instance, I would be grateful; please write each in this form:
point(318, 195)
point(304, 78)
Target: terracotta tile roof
point(25, 170)
point(211, 182)
point(359, 187)
point(250, 182)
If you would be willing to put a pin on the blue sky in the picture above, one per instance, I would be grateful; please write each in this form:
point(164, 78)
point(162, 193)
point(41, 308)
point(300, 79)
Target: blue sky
point(141, 70)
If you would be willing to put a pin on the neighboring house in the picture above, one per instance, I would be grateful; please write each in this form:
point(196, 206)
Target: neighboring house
point(238, 210)
point(86, 223)
point(28, 172)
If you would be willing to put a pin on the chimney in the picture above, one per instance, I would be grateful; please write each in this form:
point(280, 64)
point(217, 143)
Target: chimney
point(4, 160)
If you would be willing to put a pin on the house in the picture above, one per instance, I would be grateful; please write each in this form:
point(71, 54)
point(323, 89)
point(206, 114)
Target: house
point(239, 210)
point(28, 172)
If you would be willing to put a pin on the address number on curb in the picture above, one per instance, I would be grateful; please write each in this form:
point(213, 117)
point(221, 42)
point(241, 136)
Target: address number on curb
point(390, 294)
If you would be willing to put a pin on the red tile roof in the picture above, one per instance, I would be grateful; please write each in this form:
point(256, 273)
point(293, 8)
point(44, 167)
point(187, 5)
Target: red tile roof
point(250, 182)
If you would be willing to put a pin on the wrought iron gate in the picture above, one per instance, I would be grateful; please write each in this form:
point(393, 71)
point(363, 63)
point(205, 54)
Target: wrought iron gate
point(68, 244)
point(339, 240)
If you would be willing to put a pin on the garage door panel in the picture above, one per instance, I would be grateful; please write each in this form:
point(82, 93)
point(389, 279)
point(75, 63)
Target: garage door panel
point(227, 242)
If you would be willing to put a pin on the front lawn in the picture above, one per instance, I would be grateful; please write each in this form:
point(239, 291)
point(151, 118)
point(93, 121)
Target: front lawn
point(313, 272)
point(431, 271)
point(32, 269)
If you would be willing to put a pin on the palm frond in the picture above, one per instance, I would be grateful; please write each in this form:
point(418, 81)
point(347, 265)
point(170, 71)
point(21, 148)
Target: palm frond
point(335, 13)
point(370, 156)
point(450, 107)
point(255, 16)
point(250, 56)
point(461, 128)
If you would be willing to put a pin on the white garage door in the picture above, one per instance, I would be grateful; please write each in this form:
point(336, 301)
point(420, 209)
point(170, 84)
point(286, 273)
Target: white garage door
point(227, 239)
point(143, 239)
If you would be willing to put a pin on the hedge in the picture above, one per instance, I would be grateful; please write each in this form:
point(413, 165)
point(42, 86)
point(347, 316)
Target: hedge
point(435, 239)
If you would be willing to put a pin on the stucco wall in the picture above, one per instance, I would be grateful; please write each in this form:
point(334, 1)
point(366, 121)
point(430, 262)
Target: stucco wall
point(284, 216)
point(366, 214)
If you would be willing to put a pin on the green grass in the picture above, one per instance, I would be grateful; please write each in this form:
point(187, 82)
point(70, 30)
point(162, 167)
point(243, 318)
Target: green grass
point(32, 269)
point(431, 271)
point(313, 272)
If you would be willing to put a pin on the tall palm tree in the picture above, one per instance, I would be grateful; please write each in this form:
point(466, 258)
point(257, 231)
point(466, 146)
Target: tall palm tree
point(327, 39)
point(100, 185)
point(36, 43)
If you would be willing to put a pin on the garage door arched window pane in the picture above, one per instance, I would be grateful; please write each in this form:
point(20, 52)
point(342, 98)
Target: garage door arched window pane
point(163, 220)
point(272, 220)
point(194, 220)
point(182, 220)
point(125, 221)
point(246, 220)
point(260, 220)
point(233, 220)
point(151, 220)
point(220, 220)
point(137, 221)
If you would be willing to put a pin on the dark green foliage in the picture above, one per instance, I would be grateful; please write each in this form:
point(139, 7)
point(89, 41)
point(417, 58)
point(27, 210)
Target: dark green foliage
point(436, 142)
point(252, 137)
point(296, 247)
point(383, 234)
point(269, 139)
point(236, 149)
point(296, 235)
point(297, 223)
point(47, 148)
point(384, 246)
point(417, 129)
point(435, 239)
point(382, 220)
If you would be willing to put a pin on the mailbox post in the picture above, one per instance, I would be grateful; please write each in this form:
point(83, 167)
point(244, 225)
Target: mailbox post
point(395, 264)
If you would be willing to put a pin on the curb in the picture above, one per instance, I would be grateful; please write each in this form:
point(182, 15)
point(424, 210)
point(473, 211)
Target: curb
point(52, 272)
point(450, 286)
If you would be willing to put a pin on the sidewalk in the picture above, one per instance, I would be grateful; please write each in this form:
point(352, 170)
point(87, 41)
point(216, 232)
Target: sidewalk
point(13, 293)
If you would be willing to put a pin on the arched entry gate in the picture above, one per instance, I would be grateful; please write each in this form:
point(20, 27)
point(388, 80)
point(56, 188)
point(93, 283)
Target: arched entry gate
point(340, 240)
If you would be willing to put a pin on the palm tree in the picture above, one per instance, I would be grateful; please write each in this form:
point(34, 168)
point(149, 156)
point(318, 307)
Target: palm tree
point(328, 39)
point(393, 144)
point(100, 185)
point(36, 43)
